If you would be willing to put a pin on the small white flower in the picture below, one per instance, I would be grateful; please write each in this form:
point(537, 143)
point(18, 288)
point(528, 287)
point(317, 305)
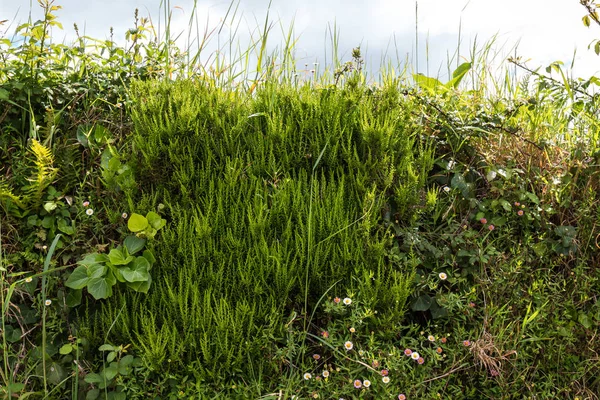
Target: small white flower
point(347, 301)
point(28, 279)
point(443, 276)
point(447, 189)
point(325, 374)
point(386, 379)
point(366, 383)
point(415, 355)
point(348, 345)
point(44, 247)
point(89, 211)
point(124, 215)
point(352, 330)
point(48, 302)
point(491, 175)
point(431, 338)
point(307, 376)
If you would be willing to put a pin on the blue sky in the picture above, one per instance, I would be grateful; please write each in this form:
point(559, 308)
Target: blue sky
point(545, 31)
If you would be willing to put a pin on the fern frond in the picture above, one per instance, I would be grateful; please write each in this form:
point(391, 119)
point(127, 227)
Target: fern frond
point(45, 173)
point(7, 194)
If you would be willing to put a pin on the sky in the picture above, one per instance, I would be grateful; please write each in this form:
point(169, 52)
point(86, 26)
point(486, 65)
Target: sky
point(540, 31)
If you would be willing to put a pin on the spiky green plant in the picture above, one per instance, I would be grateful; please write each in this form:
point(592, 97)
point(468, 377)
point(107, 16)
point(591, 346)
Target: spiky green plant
point(44, 175)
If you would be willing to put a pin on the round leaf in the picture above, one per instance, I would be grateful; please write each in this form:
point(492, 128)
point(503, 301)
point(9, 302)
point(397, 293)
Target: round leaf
point(137, 223)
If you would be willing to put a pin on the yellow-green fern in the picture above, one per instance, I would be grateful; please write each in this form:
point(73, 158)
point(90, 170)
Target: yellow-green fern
point(44, 175)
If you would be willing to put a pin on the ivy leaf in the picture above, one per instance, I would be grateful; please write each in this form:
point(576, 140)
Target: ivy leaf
point(96, 271)
point(138, 272)
point(12, 334)
point(133, 244)
point(117, 257)
point(141, 287)
point(79, 278)
point(93, 258)
point(100, 288)
point(422, 303)
point(150, 257)
point(137, 223)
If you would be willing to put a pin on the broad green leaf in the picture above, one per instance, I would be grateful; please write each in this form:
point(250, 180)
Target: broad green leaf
point(55, 373)
point(138, 271)
point(155, 220)
point(141, 287)
point(73, 298)
point(437, 311)
point(133, 244)
point(99, 288)
point(4, 95)
point(96, 271)
point(93, 258)
point(12, 334)
point(50, 206)
point(422, 303)
point(458, 75)
point(101, 134)
point(137, 223)
point(117, 257)
point(430, 84)
point(66, 349)
point(505, 204)
point(585, 320)
point(93, 378)
point(83, 133)
point(79, 278)
point(65, 227)
point(92, 394)
point(107, 347)
point(148, 255)
point(111, 371)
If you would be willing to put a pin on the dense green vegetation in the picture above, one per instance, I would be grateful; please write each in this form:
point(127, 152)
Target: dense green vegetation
point(173, 230)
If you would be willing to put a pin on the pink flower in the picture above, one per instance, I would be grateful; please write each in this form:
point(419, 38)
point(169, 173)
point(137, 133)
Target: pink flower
point(520, 213)
point(337, 300)
point(325, 334)
point(401, 396)
point(357, 384)
point(491, 227)
point(407, 352)
point(483, 221)
point(421, 360)
point(316, 356)
point(466, 343)
point(384, 372)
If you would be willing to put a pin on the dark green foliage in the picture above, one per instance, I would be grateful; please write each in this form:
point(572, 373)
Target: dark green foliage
point(271, 201)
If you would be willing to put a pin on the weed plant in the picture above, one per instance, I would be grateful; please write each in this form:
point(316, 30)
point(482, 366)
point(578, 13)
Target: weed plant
point(324, 236)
